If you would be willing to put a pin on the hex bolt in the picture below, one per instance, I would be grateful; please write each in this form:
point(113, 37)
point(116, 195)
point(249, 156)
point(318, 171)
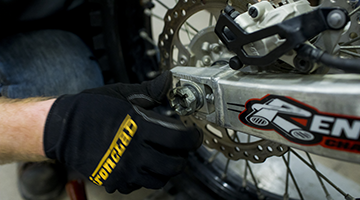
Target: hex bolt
point(205, 46)
point(206, 60)
point(229, 9)
point(185, 99)
point(303, 66)
point(215, 47)
point(336, 19)
point(210, 98)
point(183, 60)
point(253, 12)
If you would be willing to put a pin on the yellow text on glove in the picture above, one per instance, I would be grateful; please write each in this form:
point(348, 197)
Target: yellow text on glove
point(113, 155)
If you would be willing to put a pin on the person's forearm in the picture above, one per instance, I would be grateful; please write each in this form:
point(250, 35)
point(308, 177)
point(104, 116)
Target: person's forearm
point(21, 129)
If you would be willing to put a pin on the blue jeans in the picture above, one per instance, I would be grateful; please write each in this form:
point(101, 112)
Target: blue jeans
point(46, 63)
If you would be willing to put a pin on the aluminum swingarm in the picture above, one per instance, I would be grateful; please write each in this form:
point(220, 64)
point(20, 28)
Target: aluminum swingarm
point(315, 113)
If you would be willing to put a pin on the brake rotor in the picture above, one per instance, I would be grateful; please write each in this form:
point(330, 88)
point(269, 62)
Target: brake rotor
point(204, 50)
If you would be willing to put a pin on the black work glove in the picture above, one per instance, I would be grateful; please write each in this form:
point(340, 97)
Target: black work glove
point(108, 135)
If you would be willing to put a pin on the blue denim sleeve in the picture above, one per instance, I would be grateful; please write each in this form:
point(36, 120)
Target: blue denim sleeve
point(46, 63)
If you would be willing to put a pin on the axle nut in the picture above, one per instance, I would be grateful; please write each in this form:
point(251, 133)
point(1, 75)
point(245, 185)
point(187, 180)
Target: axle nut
point(185, 99)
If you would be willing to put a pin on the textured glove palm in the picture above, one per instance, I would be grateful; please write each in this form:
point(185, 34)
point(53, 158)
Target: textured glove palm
point(108, 135)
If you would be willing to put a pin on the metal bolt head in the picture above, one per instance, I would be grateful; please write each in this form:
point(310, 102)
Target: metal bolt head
point(336, 19)
point(183, 60)
point(303, 66)
point(253, 12)
point(235, 63)
point(215, 47)
point(210, 98)
point(229, 9)
point(205, 46)
point(184, 100)
point(206, 60)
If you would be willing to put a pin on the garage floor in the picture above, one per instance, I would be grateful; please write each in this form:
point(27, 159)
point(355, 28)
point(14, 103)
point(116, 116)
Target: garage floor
point(9, 190)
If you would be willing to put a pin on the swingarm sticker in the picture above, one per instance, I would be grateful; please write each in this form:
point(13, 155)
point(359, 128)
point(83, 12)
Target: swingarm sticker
point(302, 124)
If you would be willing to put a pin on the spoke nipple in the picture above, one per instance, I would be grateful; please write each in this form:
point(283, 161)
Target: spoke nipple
point(147, 12)
point(349, 197)
point(146, 37)
point(152, 52)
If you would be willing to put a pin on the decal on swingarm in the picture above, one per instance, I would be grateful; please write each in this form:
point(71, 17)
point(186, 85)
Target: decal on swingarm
point(302, 124)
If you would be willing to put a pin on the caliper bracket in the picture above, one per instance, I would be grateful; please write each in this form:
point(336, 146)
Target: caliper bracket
point(294, 31)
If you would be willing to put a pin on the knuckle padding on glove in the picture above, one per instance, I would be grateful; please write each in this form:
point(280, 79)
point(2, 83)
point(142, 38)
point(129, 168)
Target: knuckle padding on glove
point(147, 94)
point(81, 129)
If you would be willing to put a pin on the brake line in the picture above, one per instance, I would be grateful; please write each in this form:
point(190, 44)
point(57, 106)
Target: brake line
point(312, 54)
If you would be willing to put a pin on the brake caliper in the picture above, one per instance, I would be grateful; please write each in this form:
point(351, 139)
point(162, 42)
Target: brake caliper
point(264, 34)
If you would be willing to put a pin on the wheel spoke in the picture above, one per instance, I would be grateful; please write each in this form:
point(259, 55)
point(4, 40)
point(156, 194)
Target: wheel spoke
point(162, 4)
point(182, 50)
point(211, 19)
point(347, 196)
point(212, 158)
point(350, 41)
point(237, 139)
point(350, 47)
point(328, 196)
point(260, 195)
point(146, 37)
point(292, 177)
point(187, 30)
point(354, 11)
point(312, 40)
point(192, 27)
point(286, 194)
point(224, 174)
point(148, 12)
point(244, 181)
point(350, 53)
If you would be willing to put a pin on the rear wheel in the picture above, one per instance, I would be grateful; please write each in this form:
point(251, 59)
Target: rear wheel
point(265, 170)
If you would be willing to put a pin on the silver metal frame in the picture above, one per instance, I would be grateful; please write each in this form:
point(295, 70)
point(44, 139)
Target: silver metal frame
point(338, 94)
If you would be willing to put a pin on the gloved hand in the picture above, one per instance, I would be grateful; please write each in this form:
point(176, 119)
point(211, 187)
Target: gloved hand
point(108, 135)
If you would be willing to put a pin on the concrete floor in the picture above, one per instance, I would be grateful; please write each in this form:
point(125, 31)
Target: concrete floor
point(270, 176)
point(9, 190)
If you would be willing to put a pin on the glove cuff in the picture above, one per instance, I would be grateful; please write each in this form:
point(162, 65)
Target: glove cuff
point(55, 123)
